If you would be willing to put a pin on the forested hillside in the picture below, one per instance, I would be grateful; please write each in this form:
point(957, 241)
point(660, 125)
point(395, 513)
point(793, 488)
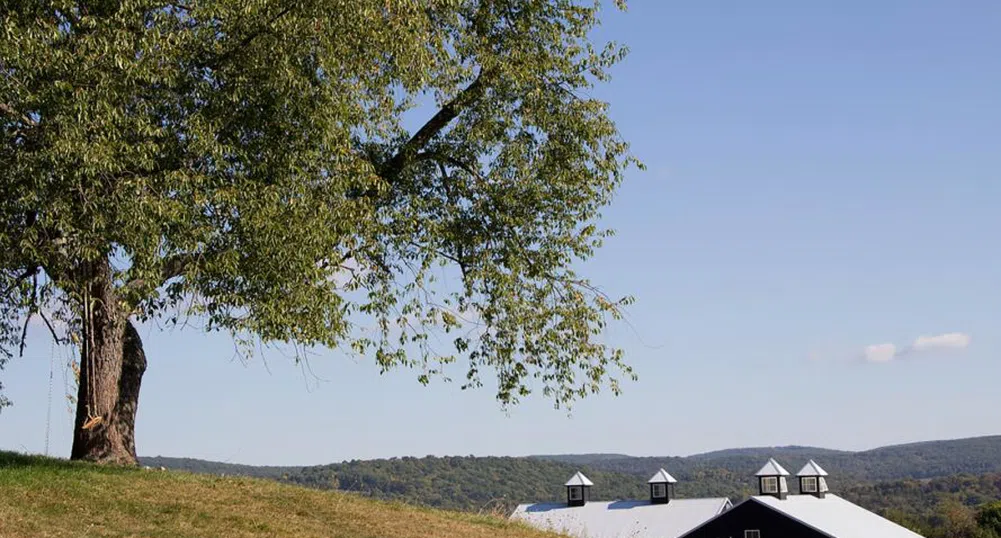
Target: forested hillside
point(193, 465)
point(465, 483)
point(924, 496)
point(940, 507)
point(937, 508)
point(758, 452)
point(931, 459)
point(894, 480)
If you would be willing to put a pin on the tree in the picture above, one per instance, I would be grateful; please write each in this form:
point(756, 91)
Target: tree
point(989, 518)
point(246, 163)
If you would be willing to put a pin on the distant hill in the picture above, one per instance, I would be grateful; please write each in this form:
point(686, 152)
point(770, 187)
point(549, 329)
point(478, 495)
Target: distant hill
point(193, 465)
point(929, 459)
point(581, 459)
point(487, 483)
point(763, 453)
point(49, 497)
point(465, 483)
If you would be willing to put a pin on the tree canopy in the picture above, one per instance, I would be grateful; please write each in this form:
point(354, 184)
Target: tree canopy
point(989, 517)
point(249, 163)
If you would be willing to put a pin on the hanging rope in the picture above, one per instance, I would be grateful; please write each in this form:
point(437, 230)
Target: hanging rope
point(71, 364)
point(93, 419)
point(48, 410)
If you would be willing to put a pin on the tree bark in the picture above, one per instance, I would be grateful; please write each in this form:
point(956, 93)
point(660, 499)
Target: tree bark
point(133, 368)
point(111, 367)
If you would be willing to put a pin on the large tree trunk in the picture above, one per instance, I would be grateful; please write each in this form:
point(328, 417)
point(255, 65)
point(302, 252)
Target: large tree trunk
point(112, 363)
point(133, 368)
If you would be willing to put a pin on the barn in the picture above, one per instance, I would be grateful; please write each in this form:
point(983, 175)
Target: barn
point(659, 516)
point(814, 513)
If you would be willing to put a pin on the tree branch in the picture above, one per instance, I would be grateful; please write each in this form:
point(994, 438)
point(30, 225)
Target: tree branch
point(433, 126)
point(31, 311)
point(9, 110)
point(52, 330)
point(217, 61)
point(442, 158)
point(178, 264)
point(172, 267)
point(179, 6)
point(17, 280)
point(24, 335)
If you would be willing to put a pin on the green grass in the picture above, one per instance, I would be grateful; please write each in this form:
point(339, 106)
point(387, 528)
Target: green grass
point(44, 497)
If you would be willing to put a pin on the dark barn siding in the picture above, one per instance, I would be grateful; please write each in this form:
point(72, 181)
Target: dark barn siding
point(753, 515)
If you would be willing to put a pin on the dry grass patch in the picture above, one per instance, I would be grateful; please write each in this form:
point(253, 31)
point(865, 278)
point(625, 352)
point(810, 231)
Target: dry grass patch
point(41, 497)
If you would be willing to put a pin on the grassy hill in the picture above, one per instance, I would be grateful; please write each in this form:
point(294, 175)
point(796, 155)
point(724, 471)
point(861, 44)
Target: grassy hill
point(41, 497)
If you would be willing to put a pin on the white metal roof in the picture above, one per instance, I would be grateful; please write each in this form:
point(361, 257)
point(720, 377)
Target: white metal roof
point(662, 476)
point(811, 469)
point(836, 517)
point(772, 468)
point(621, 519)
point(579, 480)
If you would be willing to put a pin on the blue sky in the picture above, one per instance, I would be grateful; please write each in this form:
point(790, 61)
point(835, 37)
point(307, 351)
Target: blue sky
point(823, 177)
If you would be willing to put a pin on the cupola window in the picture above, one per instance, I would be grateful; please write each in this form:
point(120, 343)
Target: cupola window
point(772, 480)
point(812, 480)
point(578, 490)
point(661, 487)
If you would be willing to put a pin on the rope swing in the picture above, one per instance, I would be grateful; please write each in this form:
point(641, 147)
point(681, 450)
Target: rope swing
point(93, 419)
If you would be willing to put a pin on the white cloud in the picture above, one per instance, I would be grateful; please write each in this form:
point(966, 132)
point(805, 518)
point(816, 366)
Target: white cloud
point(923, 344)
point(942, 341)
point(880, 352)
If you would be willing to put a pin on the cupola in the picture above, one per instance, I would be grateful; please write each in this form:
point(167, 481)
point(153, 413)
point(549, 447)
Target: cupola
point(811, 480)
point(578, 490)
point(772, 480)
point(661, 487)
